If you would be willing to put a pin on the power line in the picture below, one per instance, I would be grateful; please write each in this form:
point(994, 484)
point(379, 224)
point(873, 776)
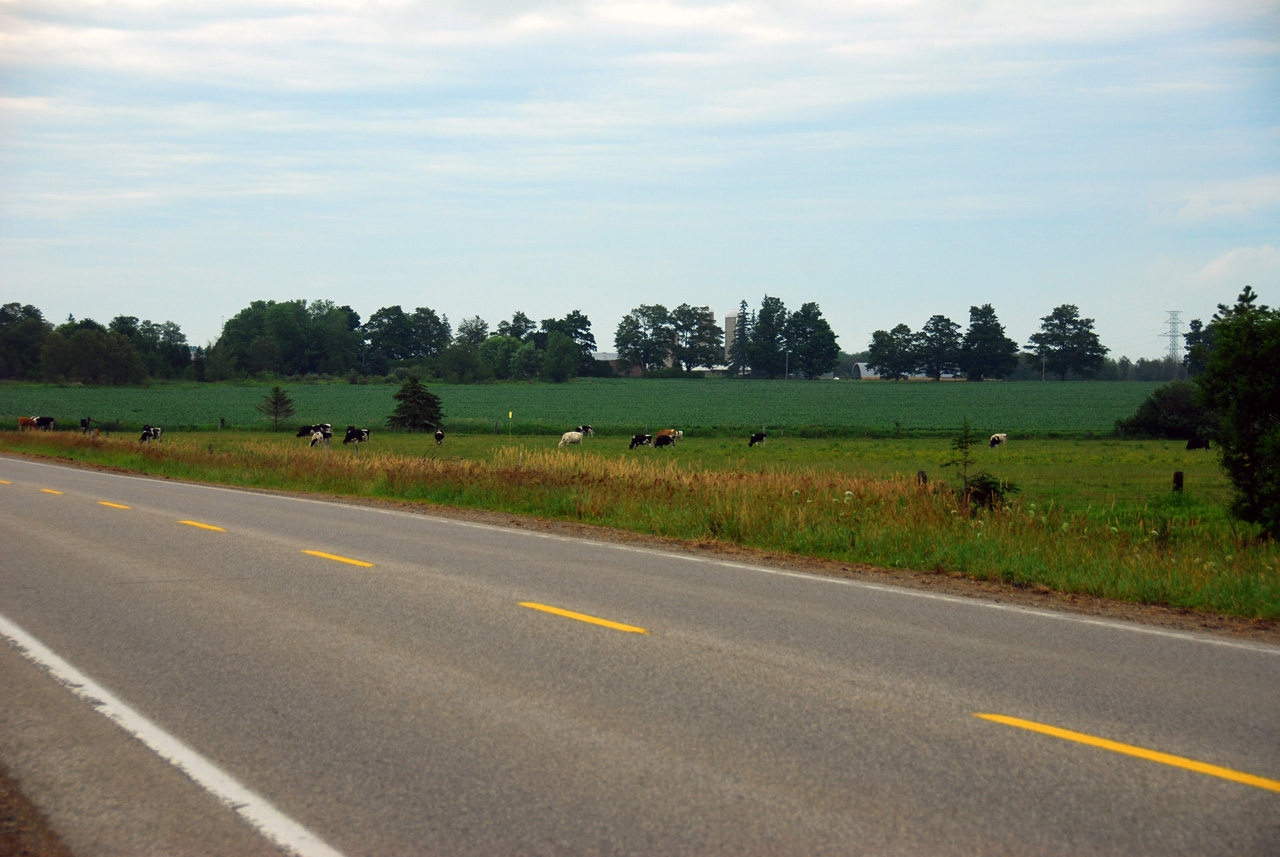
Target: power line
point(1174, 335)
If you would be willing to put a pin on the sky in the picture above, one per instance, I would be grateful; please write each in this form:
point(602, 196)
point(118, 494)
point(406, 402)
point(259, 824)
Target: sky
point(887, 159)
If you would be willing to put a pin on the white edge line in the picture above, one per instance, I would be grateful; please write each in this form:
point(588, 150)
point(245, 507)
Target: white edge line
point(252, 807)
point(888, 589)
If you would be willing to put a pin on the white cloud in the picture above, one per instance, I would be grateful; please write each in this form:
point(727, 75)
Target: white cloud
point(1242, 266)
point(1232, 198)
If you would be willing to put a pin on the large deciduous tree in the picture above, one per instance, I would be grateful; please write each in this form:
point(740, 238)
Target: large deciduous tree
point(892, 353)
point(986, 352)
point(938, 347)
point(699, 341)
point(23, 330)
point(645, 337)
point(1241, 387)
point(1067, 343)
point(811, 341)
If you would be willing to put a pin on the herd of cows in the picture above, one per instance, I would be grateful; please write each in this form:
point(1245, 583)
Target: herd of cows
point(321, 433)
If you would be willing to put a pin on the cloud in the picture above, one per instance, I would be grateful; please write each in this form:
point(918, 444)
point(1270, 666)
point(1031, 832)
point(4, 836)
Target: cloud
point(1242, 266)
point(1232, 198)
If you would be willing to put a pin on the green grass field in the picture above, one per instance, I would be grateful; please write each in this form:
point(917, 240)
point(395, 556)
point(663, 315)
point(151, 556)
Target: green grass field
point(622, 406)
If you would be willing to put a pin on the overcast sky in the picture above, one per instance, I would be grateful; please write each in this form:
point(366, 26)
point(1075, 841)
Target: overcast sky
point(889, 160)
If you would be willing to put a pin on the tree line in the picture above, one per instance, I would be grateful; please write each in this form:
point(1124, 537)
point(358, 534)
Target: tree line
point(303, 338)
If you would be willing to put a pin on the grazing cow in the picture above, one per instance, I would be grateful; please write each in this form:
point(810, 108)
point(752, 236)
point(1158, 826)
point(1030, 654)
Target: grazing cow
point(308, 431)
point(758, 437)
point(671, 433)
point(319, 438)
point(1198, 442)
point(86, 425)
point(570, 437)
point(26, 423)
point(150, 433)
point(439, 437)
point(664, 440)
point(997, 439)
point(641, 440)
point(587, 430)
point(44, 423)
point(356, 436)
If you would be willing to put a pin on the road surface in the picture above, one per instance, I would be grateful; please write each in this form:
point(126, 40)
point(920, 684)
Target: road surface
point(190, 669)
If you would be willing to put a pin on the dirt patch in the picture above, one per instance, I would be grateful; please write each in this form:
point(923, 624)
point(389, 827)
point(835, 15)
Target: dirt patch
point(23, 830)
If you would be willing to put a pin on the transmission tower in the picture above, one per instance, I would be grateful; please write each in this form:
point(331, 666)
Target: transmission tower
point(1174, 335)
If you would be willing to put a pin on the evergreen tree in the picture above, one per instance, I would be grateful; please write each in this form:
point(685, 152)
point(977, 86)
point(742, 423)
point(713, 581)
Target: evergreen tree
point(1240, 385)
point(277, 406)
point(767, 352)
point(986, 352)
point(419, 409)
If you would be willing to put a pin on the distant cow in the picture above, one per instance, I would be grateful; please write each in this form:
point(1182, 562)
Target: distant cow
point(356, 436)
point(570, 437)
point(26, 423)
point(44, 423)
point(150, 433)
point(641, 440)
point(997, 439)
point(1198, 442)
point(308, 431)
point(587, 430)
point(86, 425)
point(671, 433)
point(439, 437)
point(664, 440)
point(319, 438)
point(758, 437)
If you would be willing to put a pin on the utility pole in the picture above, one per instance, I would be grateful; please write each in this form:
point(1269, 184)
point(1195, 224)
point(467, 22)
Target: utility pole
point(1174, 335)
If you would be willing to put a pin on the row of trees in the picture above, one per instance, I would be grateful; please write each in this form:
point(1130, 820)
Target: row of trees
point(1066, 344)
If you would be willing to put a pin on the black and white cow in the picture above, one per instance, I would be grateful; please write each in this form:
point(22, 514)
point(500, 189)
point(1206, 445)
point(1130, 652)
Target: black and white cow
point(150, 433)
point(587, 430)
point(641, 440)
point(439, 437)
point(325, 429)
point(664, 440)
point(356, 436)
point(997, 440)
point(758, 437)
point(1198, 442)
point(44, 423)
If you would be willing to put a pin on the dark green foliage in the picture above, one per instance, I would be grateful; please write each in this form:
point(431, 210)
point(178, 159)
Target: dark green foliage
point(740, 346)
point(811, 341)
point(986, 352)
point(22, 335)
point(1199, 341)
point(699, 341)
point(1067, 343)
point(561, 360)
point(892, 353)
point(87, 353)
point(1241, 386)
point(937, 347)
point(276, 406)
point(645, 337)
point(1173, 412)
point(767, 351)
point(419, 409)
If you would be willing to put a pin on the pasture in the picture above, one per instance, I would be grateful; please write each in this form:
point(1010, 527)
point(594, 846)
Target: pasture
point(622, 406)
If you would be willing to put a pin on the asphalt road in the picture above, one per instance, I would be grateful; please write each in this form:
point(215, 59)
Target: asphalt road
point(433, 701)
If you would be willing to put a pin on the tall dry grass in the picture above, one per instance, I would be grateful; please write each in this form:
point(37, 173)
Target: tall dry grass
point(891, 522)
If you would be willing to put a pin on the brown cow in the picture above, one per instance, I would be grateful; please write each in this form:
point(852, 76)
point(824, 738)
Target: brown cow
point(25, 423)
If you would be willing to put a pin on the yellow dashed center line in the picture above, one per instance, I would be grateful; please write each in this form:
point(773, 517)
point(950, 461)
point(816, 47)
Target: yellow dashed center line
point(581, 617)
point(1141, 753)
point(5, 482)
point(203, 526)
point(113, 505)
point(336, 558)
point(50, 491)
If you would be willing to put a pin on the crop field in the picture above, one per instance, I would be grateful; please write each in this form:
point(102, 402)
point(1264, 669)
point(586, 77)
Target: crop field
point(622, 406)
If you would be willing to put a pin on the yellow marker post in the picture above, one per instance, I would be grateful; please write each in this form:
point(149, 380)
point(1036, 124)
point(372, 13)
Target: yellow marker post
point(1140, 752)
point(337, 558)
point(582, 617)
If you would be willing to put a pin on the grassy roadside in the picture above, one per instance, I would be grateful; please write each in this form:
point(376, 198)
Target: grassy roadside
point(1166, 552)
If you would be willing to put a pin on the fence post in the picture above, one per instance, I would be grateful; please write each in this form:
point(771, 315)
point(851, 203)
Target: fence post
point(922, 478)
point(1177, 481)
